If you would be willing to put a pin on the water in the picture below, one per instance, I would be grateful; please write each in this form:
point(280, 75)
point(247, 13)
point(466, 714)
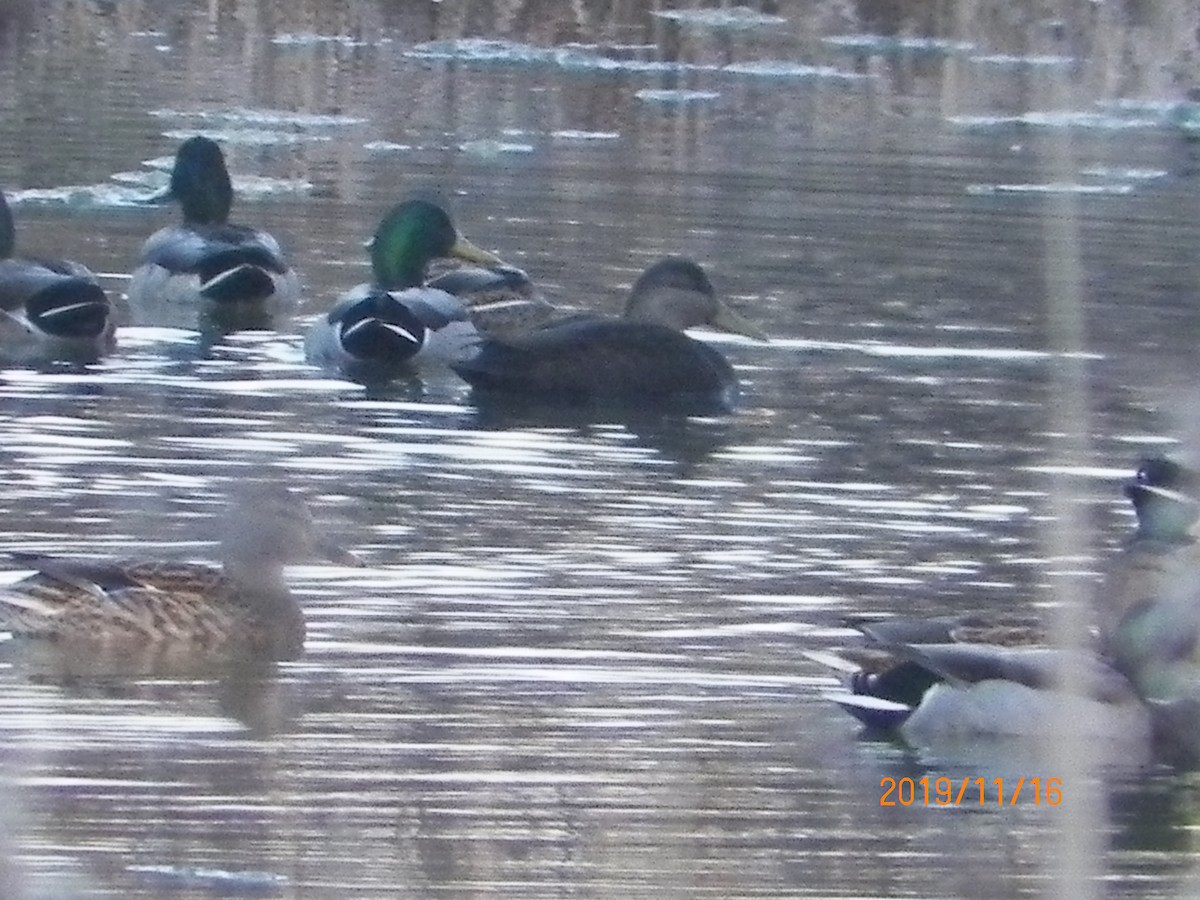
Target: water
point(573, 665)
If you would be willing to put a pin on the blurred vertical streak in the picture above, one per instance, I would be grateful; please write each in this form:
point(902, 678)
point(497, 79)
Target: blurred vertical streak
point(1078, 862)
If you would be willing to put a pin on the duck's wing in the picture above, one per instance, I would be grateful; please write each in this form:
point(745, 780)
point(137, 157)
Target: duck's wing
point(72, 596)
point(502, 302)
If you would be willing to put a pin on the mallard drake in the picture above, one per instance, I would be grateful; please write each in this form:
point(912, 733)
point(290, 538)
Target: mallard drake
point(643, 357)
point(971, 676)
point(397, 318)
point(206, 262)
point(50, 307)
point(130, 603)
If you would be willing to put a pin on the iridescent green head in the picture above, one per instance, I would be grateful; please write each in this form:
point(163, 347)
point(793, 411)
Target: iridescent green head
point(412, 234)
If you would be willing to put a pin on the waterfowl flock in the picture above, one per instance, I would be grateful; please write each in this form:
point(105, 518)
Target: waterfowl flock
point(1137, 672)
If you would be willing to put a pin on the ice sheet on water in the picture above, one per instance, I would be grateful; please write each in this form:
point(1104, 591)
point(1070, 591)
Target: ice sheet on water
point(482, 50)
point(274, 118)
point(250, 137)
point(1060, 119)
point(1052, 187)
point(1007, 59)
point(80, 196)
point(779, 68)
point(884, 44)
point(572, 134)
point(311, 39)
point(736, 18)
point(669, 96)
point(486, 148)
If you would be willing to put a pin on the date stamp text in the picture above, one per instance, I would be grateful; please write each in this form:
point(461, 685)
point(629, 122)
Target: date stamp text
point(943, 791)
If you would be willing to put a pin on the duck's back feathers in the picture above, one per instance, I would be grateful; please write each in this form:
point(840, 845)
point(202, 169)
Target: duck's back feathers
point(591, 360)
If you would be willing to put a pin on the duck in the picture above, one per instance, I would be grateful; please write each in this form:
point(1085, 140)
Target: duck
point(977, 676)
point(1163, 548)
point(398, 320)
point(641, 358)
point(49, 307)
point(1150, 600)
point(996, 674)
point(127, 605)
point(206, 262)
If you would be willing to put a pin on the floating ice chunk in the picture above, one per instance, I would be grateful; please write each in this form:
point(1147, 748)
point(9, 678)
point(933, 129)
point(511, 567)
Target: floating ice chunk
point(577, 60)
point(309, 39)
point(490, 147)
point(80, 196)
point(252, 137)
point(1052, 187)
point(736, 18)
point(1063, 119)
point(671, 96)
point(386, 147)
point(482, 50)
point(1005, 59)
point(777, 68)
point(882, 44)
point(271, 117)
point(570, 134)
point(1114, 173)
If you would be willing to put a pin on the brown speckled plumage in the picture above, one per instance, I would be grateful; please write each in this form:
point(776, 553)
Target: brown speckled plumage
point(135, 602)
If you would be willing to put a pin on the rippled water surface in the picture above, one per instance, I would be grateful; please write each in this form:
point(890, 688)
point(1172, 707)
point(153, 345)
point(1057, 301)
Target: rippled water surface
point(573, 664)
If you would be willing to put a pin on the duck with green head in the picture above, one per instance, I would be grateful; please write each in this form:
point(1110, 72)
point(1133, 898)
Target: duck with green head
point(206, 262)
point(642, 358)
point(122, 606)
point(397, 320)
point(49, 308)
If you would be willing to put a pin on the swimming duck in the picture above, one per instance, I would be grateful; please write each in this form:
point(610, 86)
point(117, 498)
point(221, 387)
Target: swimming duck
point(130, 603)
point(973, 676)
point(1163, 551)
point(397, 319)
point(206, 261)
point(643, 357)
point(1151, 604)
point(49, 306)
